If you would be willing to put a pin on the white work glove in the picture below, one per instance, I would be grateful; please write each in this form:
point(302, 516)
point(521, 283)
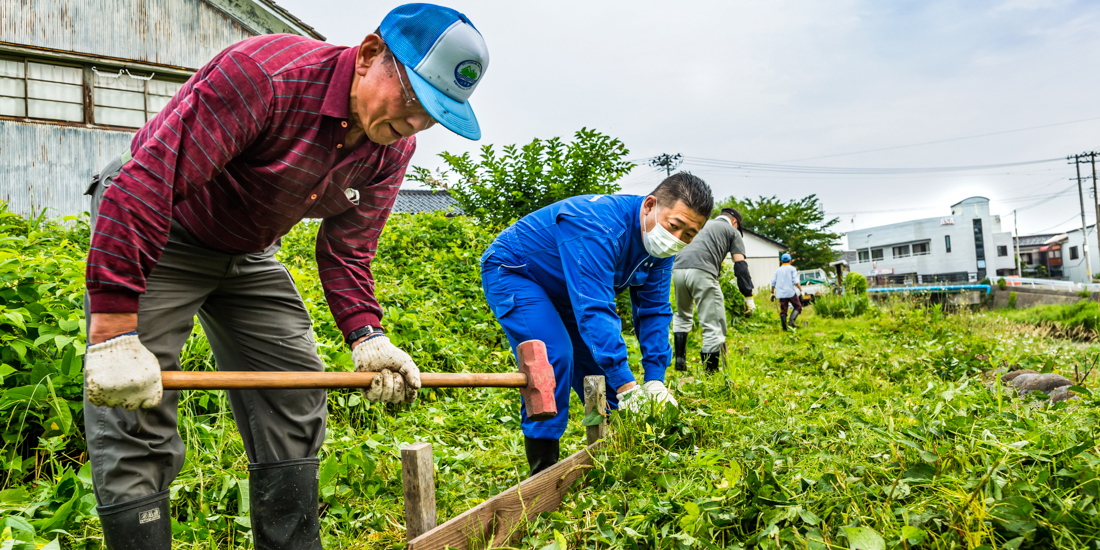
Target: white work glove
point(121, 372)
point(750, 303)
point(398, 379)
point(639, 397)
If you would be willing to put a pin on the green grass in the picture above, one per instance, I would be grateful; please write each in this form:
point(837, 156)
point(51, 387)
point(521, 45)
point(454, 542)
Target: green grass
point(844, 433)
point(1078, 321)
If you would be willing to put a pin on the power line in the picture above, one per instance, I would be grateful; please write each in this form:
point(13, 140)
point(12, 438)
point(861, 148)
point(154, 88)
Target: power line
point(763, 167)
point(942, 140)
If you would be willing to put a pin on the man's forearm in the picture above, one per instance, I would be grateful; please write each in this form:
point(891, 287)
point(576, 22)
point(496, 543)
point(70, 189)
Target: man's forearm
point(104, 326)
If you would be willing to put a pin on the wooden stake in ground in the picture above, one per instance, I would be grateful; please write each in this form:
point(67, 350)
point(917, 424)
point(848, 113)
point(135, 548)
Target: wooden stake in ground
point(595, 399)
point(418, 477)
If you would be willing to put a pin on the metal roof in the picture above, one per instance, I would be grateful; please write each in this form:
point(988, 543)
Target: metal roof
point(763, 238)
point(413, 201)
point(1034, 240)
point(264, 17)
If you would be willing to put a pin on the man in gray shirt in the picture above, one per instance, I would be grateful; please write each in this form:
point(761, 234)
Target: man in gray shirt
point(695, 276)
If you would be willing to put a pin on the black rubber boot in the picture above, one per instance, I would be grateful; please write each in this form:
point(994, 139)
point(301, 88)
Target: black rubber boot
point(283, 497)
point(142, 524)
point(680, 343)
point(783, 321)
point(541, 453)
point(794, 316)
point(711, 360)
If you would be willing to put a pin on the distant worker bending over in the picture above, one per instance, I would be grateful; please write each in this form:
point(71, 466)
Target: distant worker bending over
point(695, 274)
point(785, 286)
point(554, 274)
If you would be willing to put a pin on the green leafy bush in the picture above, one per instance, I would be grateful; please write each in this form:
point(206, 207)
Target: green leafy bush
point(1001, 283)
point(855, 283)
point(843, 306)
point(1012, 300)
point(498, 189)
point(731, 294)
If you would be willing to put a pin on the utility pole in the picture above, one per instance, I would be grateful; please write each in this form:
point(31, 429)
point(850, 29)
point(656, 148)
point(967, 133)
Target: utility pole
point(1016, 230)
point(1084, 228)
point(666, 161)
point(1096, 202)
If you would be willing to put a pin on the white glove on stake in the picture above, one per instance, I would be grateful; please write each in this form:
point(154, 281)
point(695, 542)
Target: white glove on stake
point(398, 379)
point(638, 397)
point(121, 372)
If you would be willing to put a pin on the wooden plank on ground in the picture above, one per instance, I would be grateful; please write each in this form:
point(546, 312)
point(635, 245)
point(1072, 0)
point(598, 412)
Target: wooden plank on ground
point(418, 476)
point(494, 521)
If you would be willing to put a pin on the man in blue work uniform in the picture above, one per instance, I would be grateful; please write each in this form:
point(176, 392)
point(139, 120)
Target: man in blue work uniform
point(554, 274)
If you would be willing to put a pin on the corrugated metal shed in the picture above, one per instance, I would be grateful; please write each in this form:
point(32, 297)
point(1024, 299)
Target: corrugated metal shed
point(51, 165)
point(412, 201)
point(179, 33)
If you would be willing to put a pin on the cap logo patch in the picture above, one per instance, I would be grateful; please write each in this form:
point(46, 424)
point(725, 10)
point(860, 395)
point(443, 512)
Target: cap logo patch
point(152, 514)
point(467, 73)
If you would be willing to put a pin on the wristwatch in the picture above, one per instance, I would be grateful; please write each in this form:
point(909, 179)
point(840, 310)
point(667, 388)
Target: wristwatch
point(365, 331)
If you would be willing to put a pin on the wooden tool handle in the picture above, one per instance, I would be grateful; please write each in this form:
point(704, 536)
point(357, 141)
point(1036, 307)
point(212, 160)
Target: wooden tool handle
point(238, 380)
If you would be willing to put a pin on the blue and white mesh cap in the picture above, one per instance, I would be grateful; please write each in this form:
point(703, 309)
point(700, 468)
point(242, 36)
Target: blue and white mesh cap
point(445, 57)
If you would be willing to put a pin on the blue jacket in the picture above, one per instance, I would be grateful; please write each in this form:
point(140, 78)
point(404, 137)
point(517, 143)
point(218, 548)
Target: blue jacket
point(583, 251)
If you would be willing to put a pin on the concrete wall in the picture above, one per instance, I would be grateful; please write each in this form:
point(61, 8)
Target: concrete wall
point(1030, 297)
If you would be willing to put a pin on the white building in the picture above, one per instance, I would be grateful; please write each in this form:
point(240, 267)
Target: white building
point(968, 245)
point(1073, 257)
point(762, 256)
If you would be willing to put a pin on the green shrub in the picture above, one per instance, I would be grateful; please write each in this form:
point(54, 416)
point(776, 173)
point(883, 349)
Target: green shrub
point(985, 281)
point(1001, 283)
point(855, 283)
point(1084, 293)
point(735, 302)
point(1012, 300)
point(842, 306)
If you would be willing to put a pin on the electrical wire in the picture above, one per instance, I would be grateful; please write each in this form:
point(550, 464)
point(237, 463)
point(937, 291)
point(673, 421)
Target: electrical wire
point(764, 167)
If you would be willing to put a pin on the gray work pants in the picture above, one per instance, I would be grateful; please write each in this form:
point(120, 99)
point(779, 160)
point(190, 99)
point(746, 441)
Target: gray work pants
point(254, 319)
point(695, 287)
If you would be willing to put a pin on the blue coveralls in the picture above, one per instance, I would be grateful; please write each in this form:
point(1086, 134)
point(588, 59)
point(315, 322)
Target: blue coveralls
point(553, 276)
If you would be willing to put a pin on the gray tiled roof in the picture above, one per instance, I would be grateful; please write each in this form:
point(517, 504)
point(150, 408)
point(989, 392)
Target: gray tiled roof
point(412, 201)
point(1034, 240)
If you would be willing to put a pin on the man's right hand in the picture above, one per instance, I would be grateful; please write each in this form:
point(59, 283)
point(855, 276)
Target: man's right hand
point(121, 372)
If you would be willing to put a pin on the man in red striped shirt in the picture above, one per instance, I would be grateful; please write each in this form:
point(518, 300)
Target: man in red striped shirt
point(187, 222)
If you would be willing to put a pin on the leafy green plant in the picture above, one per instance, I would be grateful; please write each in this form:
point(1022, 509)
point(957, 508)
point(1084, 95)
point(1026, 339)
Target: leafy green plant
point(734, 301)
point(1001, 283)
point(855, 283)
point(843, 306)
point(1012, 300)
point(1078, 321)
point(499, 189)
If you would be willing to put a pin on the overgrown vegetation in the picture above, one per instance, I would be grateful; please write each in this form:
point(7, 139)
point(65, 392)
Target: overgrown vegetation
point(868, 432)
point(1077, 321)
point(855, 283)
point(842, 306)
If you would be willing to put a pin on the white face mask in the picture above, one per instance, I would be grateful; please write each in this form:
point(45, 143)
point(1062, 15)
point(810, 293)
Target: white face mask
point(659, 242)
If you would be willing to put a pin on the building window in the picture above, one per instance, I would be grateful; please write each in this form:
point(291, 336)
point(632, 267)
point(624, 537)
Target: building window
point(1073, 252)
point(31, 88)
point(124, 99)
point(864, 256)
point(979, 240)
point(1055, 253)
point(41, 90)
point(947, 241)
point(876, 254)
point(901, 251)
point(920, 249)
point(1002, 251)
point(1026, 258)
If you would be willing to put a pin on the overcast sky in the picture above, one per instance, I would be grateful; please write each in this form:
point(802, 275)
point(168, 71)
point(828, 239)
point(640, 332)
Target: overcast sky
point(778, 80)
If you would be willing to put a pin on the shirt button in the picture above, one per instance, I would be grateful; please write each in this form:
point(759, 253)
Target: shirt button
point(344, 124)
point(313, 196)
point(339, 145)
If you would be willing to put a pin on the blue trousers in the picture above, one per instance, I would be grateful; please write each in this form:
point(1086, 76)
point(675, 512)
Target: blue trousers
point(526, 312)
